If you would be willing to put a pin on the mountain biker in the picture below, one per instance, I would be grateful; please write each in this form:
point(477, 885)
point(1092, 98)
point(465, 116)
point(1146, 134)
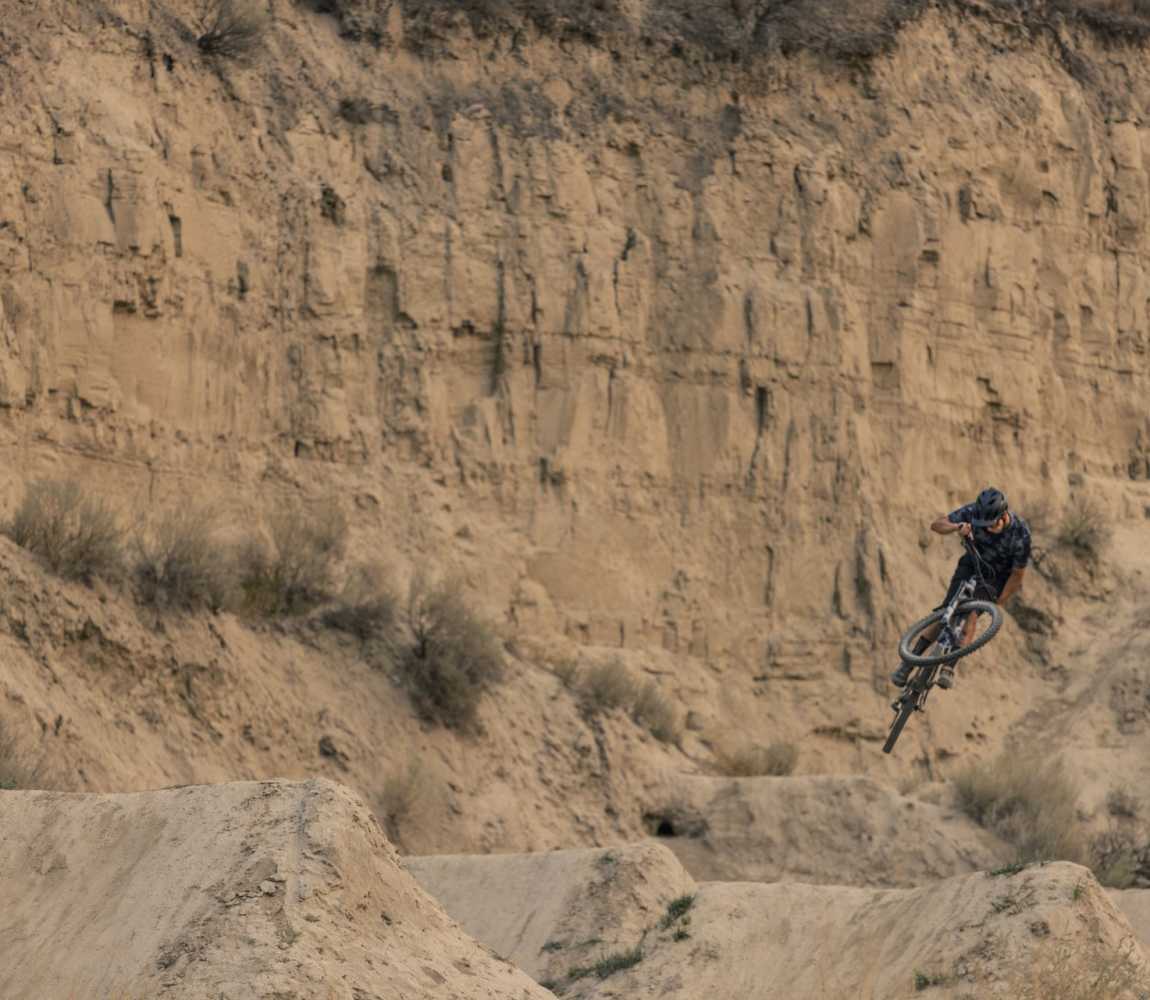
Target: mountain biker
point(1003, 542)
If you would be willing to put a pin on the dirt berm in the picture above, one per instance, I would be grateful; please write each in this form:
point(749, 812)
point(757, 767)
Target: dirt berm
point(1040, 932)
point(233, 892)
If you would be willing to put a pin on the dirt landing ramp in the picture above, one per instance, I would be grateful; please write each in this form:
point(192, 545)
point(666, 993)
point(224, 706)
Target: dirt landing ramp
point(817, 828)
point(233, 892)
point(550, 912)
point(1045, 932)
point(1135, 907)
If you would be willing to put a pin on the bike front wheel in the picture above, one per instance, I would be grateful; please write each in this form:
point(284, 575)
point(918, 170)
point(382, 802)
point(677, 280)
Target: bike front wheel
point(906, 643)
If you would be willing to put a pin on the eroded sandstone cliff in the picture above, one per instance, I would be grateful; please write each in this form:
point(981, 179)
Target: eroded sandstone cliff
point(659, 350)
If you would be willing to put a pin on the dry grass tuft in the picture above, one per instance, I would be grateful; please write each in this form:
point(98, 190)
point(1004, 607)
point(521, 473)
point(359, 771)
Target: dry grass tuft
point(78, 536)
point(402, 789)
point(1030, 804)
point(453, 658)
point(231, 28)
point(181, 563)
point(1069, 972)
point(779, 759)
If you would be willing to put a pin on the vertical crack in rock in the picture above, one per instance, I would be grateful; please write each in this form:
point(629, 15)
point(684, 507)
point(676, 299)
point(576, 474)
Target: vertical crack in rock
point(109, 196)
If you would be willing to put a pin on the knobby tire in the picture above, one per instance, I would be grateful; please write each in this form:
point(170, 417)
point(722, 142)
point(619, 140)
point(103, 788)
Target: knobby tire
point(983, 607)
point(905, 712)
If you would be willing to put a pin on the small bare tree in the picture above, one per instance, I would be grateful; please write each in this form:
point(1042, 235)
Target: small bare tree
point(231, 28)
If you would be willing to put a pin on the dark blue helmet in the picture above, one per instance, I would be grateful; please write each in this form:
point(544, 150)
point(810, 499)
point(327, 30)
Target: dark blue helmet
point(989, 507)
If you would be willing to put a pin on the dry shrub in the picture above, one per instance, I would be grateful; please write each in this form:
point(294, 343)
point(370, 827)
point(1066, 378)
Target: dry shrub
point(295, 572)
point(605, 686)
point(654, 711)
point(356, 110)
point(1084, 529)
point(402, 788)
point(231, 28)
point(453, 658)
point(78, 536)
point(1030, 804)
point(365, 607)
point(568, 672)
point(17, 770)
point(778, 759)
point(1066, 971)
point(1114, 858)
point(181, 562)
point(1116, 20)
point(1122, 803)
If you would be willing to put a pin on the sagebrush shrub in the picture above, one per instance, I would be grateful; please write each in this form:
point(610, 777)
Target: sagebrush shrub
point(296, 571)
point(231, 28)
point(653, 710)
point(77, 535)
point(1084, 529)
point(605, 686)
point(1030, 804)
point(365, 607)
point(778, 759)
point(181, 561)
point(453, 656)
point(16, 769)
point(401, 790)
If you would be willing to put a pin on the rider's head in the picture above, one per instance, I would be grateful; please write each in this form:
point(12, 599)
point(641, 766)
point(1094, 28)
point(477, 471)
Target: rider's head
point(990, 510)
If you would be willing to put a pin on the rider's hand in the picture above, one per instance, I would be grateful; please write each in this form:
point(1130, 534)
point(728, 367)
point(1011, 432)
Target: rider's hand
point(966, 530)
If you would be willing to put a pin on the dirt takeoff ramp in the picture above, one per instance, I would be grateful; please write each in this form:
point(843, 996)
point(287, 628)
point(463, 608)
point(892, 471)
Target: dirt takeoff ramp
point(228, 892)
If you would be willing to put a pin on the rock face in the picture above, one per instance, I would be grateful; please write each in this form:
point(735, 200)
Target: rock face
point(266, 889)
point(706, 345)
point(656, 351)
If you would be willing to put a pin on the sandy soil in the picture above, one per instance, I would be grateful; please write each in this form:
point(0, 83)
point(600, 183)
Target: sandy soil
point(235, 891)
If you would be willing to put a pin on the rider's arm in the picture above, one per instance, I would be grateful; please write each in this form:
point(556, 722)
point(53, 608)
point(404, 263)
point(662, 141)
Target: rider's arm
point(945, 526)
point(1012, 586)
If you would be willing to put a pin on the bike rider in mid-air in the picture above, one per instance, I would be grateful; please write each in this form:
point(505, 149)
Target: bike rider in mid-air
point(1003, 542)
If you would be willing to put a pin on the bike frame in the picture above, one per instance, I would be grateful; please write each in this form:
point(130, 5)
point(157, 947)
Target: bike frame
point(951, 626)
point(951, 632)
point(948, 638)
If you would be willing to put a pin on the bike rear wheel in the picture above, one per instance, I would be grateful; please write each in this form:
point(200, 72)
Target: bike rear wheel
point(906, 643)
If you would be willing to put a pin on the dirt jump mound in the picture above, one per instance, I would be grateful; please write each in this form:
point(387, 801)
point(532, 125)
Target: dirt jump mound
point(237, 891)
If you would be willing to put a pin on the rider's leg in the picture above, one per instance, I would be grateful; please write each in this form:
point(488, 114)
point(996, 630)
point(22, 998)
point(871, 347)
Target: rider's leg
point(902, 674)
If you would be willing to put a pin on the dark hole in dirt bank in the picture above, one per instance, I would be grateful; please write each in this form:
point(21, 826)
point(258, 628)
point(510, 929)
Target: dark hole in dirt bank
point(675, 822)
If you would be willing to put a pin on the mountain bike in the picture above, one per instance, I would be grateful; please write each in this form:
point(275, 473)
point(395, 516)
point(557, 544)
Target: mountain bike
point(947, 647)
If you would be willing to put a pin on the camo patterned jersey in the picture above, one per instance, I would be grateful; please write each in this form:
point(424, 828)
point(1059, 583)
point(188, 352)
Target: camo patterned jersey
point(1006, 551)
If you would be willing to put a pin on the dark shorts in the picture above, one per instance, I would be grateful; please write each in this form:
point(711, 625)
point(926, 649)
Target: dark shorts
point(963, 572)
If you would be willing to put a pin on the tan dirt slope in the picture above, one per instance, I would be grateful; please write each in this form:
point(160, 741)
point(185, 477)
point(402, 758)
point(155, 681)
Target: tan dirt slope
point(546, 912)
point(238, 891)
point(1045, 931)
